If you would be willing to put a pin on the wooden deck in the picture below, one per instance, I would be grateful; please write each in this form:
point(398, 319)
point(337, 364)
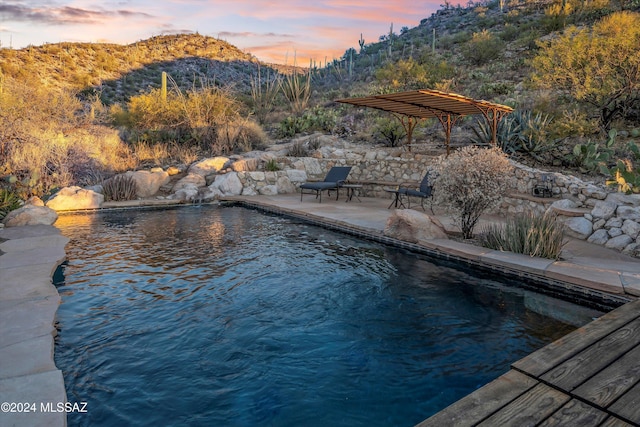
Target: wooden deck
point(590, 377)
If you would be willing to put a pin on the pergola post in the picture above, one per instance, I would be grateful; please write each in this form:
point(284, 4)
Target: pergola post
point(493, 117)
point(447, 121)
point(409, 123)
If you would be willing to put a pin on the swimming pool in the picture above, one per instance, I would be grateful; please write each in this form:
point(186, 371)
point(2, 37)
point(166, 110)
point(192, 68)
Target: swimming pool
point(226, 316)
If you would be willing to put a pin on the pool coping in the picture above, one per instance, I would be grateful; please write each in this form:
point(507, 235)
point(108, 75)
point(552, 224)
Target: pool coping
point(533, 271)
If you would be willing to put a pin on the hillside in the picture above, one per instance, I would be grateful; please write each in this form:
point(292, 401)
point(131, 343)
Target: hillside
point(77, 112)
point(121, 71)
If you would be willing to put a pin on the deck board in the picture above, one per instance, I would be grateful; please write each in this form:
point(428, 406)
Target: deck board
point(529, 409)
point(477, 406)
point(575, 413)
point(628, 406)
point(590, 377)
point(539, 362)
point(596, 357)
point(611, 383)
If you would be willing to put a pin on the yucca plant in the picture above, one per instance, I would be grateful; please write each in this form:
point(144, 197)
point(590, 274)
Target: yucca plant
point(535, 235)
point(120, 187)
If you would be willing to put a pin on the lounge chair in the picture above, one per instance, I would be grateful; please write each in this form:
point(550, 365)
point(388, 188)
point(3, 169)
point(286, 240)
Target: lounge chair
point(333, 181)
point(424, 191)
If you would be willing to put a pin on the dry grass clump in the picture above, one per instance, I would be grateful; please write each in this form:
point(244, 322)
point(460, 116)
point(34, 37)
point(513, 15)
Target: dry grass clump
point(529, 234)
point(119, 188)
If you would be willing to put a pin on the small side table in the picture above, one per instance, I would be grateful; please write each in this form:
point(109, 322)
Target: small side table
point(351, 191)
point(396, 199)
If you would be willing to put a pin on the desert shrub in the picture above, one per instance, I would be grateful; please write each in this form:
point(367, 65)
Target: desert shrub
point(290, 126)
point(390, 130)
point(597, 66)
point(320, 119)
point(482, 48)
point(8, 202)
point(155, 154)
point(191, 117)
point(298, 149)
point(238, 135)
point(469, 182)
point(119, 187)
point(529, 234)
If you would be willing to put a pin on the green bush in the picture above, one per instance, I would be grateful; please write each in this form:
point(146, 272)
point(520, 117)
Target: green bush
point(291, 126)
point(8, 202)
point(272, 166)
point(119, 188)
point(482, 48)
point(529, 234)
point(390, 130)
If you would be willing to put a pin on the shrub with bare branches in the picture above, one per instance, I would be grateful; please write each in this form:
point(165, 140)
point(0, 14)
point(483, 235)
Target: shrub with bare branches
point(469, 182)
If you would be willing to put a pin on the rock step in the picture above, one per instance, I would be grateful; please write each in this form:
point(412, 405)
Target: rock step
point(570, 212)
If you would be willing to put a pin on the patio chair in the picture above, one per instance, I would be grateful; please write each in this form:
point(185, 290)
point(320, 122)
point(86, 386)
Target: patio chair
point(333, 181)
point(425, 191)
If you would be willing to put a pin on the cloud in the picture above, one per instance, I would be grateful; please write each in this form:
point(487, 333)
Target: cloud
point(65, 15)
point(249, 34)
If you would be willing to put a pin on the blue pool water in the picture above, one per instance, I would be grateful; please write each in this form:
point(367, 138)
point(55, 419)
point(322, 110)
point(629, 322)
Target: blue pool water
point(210, 316)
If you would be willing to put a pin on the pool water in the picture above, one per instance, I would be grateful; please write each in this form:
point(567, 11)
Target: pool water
point(223, 316)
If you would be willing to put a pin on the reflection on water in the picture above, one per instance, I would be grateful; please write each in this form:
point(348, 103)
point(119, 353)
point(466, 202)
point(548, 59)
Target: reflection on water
point(224, 316)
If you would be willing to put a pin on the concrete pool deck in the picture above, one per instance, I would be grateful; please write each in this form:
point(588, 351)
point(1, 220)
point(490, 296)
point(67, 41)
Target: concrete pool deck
point(30, 255)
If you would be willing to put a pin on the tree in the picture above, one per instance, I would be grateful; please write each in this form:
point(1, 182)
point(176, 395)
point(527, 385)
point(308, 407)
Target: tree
point(469, 182)
point(409, 74)
point(599, 67)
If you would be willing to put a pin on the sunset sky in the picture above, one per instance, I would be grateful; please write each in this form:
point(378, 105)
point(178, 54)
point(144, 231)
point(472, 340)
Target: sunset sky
point(274, 31)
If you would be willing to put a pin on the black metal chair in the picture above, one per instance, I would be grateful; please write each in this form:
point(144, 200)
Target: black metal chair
point(335, 179)
point(424, 192)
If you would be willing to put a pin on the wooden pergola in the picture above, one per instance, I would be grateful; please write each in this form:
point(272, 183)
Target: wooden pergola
point(412, 106)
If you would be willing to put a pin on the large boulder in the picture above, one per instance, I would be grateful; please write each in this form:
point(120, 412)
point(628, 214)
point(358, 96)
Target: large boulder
point(413, 226)
point(604, 210)
point(208, 166)
point(30, 215)
point(619, 242)
point(190, 180)
point(284, 185)
point(628, 212)
point(149, 183)
point(73, 198)
point(227, 185)
point(631, 228)
point(580, 228)
point(245, 165)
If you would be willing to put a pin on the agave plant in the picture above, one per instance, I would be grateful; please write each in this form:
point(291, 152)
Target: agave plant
point(519, 132)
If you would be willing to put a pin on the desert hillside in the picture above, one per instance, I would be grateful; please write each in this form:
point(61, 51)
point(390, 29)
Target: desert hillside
point(80, 112)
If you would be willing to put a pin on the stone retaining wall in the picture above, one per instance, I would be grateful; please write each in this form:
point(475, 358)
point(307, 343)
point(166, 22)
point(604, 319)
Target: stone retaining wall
point(589, 211)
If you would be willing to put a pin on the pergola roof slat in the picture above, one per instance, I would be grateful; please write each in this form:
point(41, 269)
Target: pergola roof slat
point(427, 103)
